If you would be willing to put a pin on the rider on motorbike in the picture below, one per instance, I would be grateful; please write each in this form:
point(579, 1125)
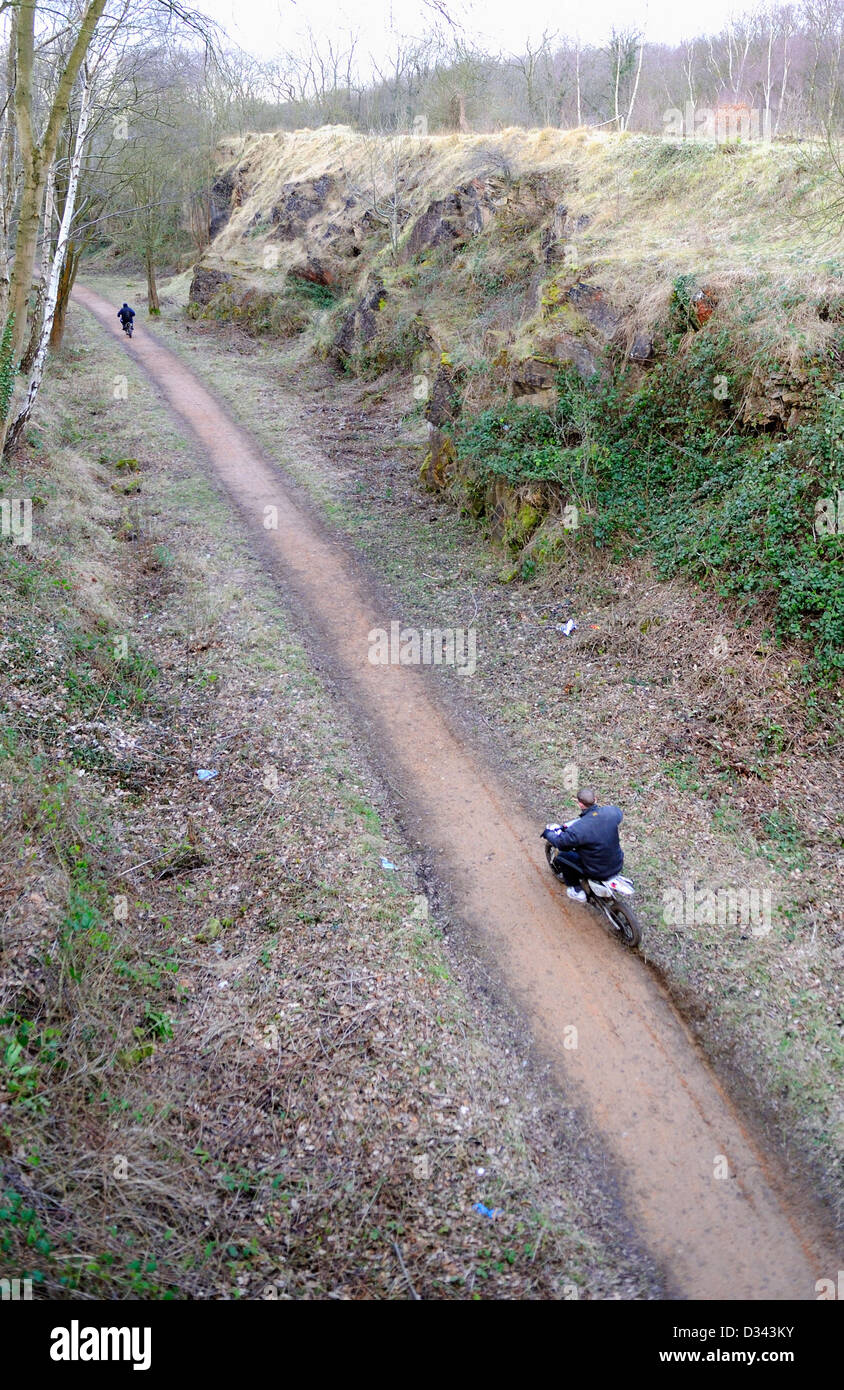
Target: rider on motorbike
point(125, 314)
point(589, 846)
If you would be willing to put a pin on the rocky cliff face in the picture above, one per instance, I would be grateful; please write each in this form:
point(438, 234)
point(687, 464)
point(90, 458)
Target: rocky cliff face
point(374, 239)
point(592, 348)
point(513, 258)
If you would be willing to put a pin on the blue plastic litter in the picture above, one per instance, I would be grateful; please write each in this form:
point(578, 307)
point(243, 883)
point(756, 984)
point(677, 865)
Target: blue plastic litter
point(491, 1212)
point(206, 773)
point(385, 864)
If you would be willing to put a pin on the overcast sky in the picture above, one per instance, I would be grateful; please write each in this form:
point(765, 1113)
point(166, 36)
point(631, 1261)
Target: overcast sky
point(266, 27)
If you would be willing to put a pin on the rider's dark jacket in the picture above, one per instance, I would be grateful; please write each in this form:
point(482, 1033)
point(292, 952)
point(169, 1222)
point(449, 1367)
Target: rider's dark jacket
point(125, 313)
point(594, 836)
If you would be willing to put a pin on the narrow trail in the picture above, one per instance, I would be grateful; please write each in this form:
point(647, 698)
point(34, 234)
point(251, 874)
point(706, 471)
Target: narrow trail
point(655, 1105)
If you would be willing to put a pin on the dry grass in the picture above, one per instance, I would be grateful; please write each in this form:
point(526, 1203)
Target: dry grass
point(703, 206)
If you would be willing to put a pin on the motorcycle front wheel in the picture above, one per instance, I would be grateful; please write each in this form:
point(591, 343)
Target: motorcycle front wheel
point(625, 919)
point(550, 855)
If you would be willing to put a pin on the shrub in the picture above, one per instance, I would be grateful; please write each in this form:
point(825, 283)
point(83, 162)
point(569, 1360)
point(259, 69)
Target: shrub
point(668, 470)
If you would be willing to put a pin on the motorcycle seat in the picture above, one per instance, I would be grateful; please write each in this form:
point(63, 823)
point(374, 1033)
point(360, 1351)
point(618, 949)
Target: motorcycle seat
point(605, 888)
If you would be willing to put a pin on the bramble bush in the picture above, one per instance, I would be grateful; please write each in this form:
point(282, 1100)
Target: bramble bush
point(668, 469)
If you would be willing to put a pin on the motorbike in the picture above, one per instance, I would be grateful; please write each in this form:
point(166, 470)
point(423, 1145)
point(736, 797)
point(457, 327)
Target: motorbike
point(611, 896)
point(128, 327)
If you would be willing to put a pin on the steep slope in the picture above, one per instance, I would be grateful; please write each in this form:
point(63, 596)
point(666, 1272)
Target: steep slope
point(645, 332)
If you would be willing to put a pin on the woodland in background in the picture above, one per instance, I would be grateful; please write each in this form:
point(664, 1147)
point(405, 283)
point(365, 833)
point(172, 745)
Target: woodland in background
point(111, 114)
point(784, 60)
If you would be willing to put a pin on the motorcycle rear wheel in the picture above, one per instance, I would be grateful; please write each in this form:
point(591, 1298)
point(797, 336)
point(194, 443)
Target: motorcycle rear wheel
point(625, 919)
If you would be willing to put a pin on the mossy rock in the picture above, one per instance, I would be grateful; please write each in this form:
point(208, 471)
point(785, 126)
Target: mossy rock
point(545, 542)
point(210, 931)
point(470, 495)
point(439, 463)
point(133, 1056)
point(528, 517)
point(508, 573)
point(519, 528)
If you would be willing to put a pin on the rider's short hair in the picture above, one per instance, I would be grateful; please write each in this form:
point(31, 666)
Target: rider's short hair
point(586, 796)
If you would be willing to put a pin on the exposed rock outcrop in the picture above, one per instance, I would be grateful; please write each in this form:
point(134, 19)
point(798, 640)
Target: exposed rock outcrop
point(777, 401)
point(558, 243)
point(346, 234)
point(702, 307)
point(316, 271)
point(453, 220)
point(206, 284)
point(591, 304)
point(361, 323)
point(299, 204)
point(226, 195)
point(443, 404)
point(642, 348)
point(439, 462)
point(538, 373)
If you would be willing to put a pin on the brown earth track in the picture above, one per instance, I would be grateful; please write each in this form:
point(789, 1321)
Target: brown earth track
point(655, 1103)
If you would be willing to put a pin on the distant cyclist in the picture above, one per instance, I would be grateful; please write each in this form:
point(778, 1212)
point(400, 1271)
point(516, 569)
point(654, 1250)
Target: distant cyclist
point(127, 318)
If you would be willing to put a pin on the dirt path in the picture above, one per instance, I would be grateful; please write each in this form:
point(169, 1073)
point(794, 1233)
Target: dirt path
point(655, 1104)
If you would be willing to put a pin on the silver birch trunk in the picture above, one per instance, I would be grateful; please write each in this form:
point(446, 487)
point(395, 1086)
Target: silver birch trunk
point(55, 270)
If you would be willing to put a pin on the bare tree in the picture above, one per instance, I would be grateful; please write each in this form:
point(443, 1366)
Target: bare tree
point(37, 153)
point(622, 52)
point(49, 46)
point(55, 270)
point(383, 196)
point(529, 63)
